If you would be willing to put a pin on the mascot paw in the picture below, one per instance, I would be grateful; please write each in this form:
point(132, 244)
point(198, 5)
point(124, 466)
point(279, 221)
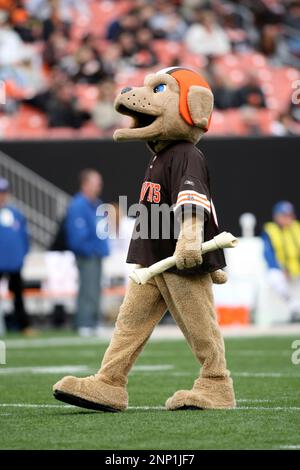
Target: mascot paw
point(219, 277)
point(206, 394)
point(186, 258)
point(92, 393)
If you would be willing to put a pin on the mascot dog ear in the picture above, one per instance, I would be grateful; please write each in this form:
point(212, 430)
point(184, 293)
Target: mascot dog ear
point(200, 103)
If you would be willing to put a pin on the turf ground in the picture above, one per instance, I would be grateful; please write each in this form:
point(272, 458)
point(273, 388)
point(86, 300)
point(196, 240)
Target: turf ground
point(267, 388)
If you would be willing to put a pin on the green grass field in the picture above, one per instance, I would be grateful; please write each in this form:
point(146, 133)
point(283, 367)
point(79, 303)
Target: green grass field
point(267, 388)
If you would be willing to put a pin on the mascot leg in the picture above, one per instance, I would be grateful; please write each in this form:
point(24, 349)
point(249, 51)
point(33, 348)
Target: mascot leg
point(190, 300)
point(141, 310)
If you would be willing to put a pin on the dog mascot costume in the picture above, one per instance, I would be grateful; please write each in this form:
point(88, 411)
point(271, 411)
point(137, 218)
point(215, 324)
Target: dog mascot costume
point(170, 112)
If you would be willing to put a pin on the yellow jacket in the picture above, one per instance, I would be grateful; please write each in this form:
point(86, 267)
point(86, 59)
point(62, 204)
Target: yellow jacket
point(285, 242)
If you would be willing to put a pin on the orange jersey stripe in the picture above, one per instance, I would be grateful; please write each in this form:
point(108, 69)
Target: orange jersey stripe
point(194, 199)
point(200, 203)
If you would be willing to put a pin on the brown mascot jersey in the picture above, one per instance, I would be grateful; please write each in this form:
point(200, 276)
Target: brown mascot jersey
point(176, 176)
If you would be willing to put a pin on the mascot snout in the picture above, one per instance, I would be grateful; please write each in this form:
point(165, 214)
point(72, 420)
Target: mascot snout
point(172, 103)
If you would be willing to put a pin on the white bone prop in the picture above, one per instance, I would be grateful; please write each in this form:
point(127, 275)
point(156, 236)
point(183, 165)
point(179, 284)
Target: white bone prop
point(142, 275)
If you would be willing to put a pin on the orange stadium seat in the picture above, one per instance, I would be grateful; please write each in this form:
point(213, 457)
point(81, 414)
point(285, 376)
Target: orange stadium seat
point(195, 61)
point(167, 51)
point(27, 123)
point(101, 14)
point(87, 95)
point(232, 122)
point(132, 78)
point(218, 124)
point(90, 130)
point(62, 133)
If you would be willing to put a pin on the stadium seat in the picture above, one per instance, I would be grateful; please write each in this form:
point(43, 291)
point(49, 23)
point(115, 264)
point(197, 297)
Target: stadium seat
point(101, 14)
point(87, 95)
point(167, 51)
point(218, 124)
point(27, 123)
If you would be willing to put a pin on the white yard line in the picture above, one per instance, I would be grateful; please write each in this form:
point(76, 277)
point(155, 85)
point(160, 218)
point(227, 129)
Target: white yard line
point(267, 408)
point(290, 446)
point(43, 370)
point(161, 333)
point(259, 353)
point(259, 375)
point(264, 375)
point(71, 369)
point(151, 368)
point(138, 369)
point(32, 405)
point(260, 400)
point(50, 342)
point(161, 408)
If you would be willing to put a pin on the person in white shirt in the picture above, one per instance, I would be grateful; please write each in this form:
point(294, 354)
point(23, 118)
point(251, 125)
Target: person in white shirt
point(206, 37)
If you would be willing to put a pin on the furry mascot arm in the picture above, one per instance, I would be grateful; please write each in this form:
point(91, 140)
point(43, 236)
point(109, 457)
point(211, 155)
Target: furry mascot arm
point(188, 252)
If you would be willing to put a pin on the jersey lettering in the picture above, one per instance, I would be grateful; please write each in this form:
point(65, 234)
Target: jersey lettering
point(152, 190)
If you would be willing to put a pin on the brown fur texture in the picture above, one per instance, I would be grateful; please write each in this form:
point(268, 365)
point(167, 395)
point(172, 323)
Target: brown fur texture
point(190, 301)
point(156, 120)
point(219, 277)
point(200, 102)
point(95, 390)
point(188, 246)
point(216, 394)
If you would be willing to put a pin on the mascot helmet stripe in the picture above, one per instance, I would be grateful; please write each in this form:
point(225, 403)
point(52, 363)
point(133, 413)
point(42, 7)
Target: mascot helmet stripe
point(185, 79)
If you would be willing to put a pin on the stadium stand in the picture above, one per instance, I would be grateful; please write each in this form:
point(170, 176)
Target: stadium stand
point(56, 55)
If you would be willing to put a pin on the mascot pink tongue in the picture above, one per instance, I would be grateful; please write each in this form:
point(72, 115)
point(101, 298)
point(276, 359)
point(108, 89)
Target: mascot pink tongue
point(170, 112)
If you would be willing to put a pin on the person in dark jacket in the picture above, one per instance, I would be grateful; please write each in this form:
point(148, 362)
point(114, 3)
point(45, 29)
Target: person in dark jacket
point(82, 239)
point(14, 245)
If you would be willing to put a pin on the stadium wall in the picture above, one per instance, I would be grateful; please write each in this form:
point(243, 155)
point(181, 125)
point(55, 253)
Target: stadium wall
point(248, 174)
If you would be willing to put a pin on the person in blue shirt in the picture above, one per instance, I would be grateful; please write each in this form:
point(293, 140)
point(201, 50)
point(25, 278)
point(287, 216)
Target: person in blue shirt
point(81, 237)
point(14, 245)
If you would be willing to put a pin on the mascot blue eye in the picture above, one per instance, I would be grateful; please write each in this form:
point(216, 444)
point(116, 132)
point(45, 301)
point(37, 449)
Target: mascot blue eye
point(159, 88)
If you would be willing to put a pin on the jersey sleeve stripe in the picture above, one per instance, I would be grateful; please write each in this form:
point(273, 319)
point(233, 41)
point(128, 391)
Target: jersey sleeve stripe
point(194, 203)
point(191, 199)
point(192, 193)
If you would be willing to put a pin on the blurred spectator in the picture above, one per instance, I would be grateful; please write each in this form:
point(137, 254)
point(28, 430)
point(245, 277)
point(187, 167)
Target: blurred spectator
point(294, 111)
point(251, 94)
point(241, 37)
point(55, 49)
point(82, 239)
point(14, 246)
point(104, 114)
point(145, 55)
point(64, 9)
point(120, 232)
point(250, 120)
point(111, 59)
point(166, 23)
point(269, 41)
point(62, 109)
point(127, 45)
point(89, 64)
point(285, 125)
point(223, 90)
point(125, 24)
point(11, 45)
point(292, 16)
point(205, 36)
point(281, 239)
point(40, 39)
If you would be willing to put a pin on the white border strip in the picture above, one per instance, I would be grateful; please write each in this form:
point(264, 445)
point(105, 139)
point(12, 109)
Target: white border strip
point(149, 408)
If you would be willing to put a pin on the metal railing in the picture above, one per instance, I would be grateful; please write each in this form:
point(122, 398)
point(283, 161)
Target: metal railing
point(43, 203)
